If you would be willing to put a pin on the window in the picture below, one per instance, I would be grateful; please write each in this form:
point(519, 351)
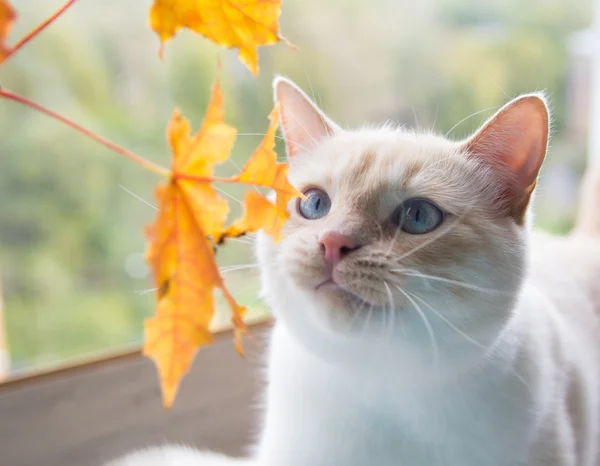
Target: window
point(72, 213)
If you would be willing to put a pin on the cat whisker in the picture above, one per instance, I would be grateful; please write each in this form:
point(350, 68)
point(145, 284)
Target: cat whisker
point(450, 324)
point(226, 194)
point(415, 273)
point(469, 339)
point(383, 317)
point(380, 228)
point(437, 109)
point(142, 292)
point(233, 268)
point(367, 320)
point(428, 327)
point(138, 197)
point(395, 237)
point(234, 163)
point(416, 118)
point(314, 97)
point(470, 116)
point(239, 169)
point(301, 125)
point(243, 241)
point(237, 294)
point(423, 244)
point(431, 240)
point(277, 137)
point(392, 307)
point(355, 317)
point(443, 232)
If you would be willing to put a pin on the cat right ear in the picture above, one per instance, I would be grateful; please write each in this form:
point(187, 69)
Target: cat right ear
point(302, 123)
point(513, 143)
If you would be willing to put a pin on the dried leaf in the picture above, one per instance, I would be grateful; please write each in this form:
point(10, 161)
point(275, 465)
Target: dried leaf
point(244, 24)
point(190, 223)
point(7, 17)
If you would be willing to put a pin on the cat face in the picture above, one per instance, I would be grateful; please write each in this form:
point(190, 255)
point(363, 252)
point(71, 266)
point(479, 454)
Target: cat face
point(402, 238)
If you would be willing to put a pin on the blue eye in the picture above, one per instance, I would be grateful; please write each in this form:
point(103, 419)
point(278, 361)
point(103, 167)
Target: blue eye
point(418, 216)
point(316, 204)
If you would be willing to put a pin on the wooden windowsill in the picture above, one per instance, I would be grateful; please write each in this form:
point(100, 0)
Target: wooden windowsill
point(88, 413)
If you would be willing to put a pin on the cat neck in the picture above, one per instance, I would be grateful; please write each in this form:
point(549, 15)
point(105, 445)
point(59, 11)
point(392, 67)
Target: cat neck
point(398, 366)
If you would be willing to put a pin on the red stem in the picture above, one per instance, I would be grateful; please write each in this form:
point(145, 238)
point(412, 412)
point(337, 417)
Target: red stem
point(232, 179)
point(105, 142)
point(203, 179)
point(39, 28)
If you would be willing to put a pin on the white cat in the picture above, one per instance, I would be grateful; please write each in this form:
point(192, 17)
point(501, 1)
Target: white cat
point(418, 321)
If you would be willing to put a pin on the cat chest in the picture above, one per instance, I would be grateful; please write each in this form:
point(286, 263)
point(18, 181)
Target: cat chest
point(347, 429)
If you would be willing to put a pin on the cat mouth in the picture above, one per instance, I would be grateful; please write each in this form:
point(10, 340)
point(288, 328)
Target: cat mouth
point(331, 286)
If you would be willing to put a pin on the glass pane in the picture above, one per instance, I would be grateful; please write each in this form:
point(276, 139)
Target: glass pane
point(72, 213)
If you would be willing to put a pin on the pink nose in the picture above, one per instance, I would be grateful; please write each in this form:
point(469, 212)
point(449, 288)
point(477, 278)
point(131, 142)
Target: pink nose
point(336, 245)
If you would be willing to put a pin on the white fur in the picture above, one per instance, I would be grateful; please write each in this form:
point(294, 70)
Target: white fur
point(177, 456)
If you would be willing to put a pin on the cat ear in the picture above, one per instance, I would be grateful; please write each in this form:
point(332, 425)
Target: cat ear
point(302, 123)
point(513, 143)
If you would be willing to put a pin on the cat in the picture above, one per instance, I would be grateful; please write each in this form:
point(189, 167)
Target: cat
point(419, 322)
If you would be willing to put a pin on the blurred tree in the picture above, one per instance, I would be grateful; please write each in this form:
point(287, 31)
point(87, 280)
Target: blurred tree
point(71, 235)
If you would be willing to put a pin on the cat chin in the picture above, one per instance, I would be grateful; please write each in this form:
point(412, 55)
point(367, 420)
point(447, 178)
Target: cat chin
point(324, 330)
point(307, 320)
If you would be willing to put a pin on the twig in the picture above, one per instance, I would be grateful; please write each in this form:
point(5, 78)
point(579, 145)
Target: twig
point(39, 28)
point(105, 142)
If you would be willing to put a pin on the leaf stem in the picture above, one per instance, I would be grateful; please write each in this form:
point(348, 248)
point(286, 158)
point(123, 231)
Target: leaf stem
point(232, 179)
point(210, 179)
point(39, 28)
point(202, 179)
point(105, 142)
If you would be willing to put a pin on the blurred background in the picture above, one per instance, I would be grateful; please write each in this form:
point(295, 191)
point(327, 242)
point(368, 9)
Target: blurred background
point(72, 213)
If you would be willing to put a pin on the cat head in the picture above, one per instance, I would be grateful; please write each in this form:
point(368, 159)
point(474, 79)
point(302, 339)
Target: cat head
point(405, 242)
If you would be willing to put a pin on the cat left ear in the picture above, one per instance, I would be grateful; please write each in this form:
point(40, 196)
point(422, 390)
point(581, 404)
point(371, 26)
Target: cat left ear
point(302, 123)
point(513, 143)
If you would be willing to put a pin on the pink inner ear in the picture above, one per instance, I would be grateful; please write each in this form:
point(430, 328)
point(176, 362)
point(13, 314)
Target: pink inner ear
point(303, 125)
point(513, 142)
point(300, 135)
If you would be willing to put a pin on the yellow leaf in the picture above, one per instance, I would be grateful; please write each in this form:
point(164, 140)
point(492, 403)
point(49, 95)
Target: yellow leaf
point(184, 237)
point(244, 24)
point(180, 250)
point(259, 213)
point(262, 169)
point(7, 17)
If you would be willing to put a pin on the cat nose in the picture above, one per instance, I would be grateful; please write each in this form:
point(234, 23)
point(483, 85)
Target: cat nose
point(335, 246)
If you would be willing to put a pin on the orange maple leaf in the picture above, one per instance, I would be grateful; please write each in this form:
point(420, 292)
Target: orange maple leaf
point(7, 17)
point(262, 169)
point(245, 24)
point(190, 224)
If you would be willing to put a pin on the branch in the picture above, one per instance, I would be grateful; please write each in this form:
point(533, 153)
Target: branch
point(105, 142)
point(39, 28)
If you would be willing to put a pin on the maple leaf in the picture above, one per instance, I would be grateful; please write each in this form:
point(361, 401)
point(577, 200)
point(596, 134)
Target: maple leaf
point(245, 24)
point(262, 169)
point(7, 17)
point(180, 251)
point(190, 225)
